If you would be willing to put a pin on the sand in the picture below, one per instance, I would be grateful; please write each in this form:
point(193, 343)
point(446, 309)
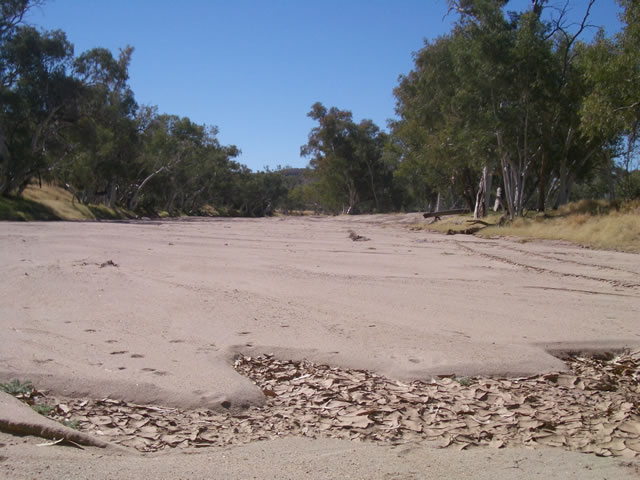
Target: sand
point(154, 311)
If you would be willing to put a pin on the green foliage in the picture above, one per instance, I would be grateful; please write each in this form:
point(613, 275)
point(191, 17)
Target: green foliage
point(513, 97)
point(43, 408)
point(464, 381)
point(502, 92)
point(612, 108)
point(15, 387)
point(75, 121)
point(38, 97)
point(347, 162)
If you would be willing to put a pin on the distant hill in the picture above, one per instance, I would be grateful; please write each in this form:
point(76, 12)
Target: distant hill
point(296, 176)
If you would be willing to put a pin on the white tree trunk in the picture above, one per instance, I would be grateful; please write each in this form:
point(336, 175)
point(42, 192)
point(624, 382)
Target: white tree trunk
point(134, 201)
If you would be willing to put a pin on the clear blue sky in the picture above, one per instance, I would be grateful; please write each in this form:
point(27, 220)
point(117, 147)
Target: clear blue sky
point(254, 67)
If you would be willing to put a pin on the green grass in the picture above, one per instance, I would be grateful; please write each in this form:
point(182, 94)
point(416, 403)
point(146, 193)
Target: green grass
point(43, 409)
point(15, 387)
point(464, 381)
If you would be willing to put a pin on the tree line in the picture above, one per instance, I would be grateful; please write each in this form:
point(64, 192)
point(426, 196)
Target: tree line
point(508, 104)
point(508, 100)
point(74, 120)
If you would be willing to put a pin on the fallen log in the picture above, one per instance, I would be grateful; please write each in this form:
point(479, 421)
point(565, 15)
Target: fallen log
point(479, 222)
point(443, 213)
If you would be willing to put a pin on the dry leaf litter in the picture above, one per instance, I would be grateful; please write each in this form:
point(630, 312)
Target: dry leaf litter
point(592, 409)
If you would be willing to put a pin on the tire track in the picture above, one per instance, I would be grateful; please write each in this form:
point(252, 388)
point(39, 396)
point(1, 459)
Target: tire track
point(613, 282)
point(572, 262)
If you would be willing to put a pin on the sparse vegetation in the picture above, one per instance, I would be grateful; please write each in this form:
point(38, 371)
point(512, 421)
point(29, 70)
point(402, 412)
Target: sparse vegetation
point(598, 224)
point(464, 381)
point(42, 409)
point(71, 424)
point(15, 387)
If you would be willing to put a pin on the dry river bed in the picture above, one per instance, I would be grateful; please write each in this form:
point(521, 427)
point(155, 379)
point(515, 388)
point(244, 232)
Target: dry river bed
point(181, 334)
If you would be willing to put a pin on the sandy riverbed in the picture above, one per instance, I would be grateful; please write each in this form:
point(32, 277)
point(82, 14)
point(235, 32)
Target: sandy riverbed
point(153, 312)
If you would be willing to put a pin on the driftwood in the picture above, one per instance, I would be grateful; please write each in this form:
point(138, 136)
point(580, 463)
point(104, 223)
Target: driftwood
point(478, 222)
point(443, 213)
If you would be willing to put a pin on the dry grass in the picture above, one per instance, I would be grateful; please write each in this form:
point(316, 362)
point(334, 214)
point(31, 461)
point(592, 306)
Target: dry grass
point(592, 223)
point(59, 201)
point(54, 203)
point(615, 230)
point(455, 223)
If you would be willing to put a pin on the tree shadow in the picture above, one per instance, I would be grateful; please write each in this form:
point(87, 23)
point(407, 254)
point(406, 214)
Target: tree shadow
point(21, 209)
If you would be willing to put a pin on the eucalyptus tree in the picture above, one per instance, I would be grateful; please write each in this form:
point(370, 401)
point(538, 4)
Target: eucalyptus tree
point(103, 143)
point(346, 160)
point(441, 129)
point(37, 99)
point(612, 109)
point(497, 91)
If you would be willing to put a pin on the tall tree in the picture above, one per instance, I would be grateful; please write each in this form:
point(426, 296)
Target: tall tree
point(346, 159)
point(497, 89)
point(612, 109)
point(37, 99)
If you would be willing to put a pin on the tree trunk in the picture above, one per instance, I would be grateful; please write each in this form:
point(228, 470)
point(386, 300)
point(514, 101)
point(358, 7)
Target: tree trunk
point(373, 188)
point(507, 177)
point(488, 178)
point(563, 193)
point(479, 210)
point(5, 177)
point(134, 201)
point(542, 185)
point(610, 178)
point(499, 204)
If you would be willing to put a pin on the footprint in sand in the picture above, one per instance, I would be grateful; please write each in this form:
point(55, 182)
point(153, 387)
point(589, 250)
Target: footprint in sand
point(121, 352)
point(244, 333)
point(161, 373)
point(148, 369)
point(111, 341)
point(90, 330)
point(176, 341)
point(136, 355)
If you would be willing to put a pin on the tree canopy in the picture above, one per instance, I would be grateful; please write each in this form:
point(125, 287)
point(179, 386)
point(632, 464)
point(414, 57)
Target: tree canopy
point(508, 104)
point(74, 120)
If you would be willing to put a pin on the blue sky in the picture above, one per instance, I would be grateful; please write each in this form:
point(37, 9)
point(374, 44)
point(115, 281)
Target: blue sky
point(254, 67)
